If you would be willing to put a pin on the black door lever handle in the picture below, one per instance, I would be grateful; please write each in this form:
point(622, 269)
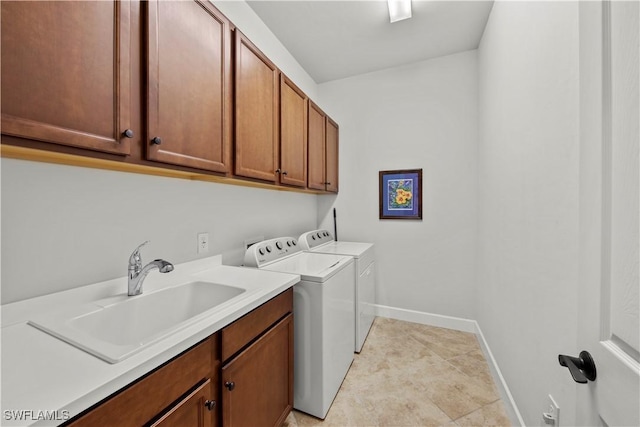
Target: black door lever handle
point(582, 368)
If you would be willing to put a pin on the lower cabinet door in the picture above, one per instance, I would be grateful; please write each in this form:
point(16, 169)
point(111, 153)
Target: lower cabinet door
point(257, 385)
point(196, 409)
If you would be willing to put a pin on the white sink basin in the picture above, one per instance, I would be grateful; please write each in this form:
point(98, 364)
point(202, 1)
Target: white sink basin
point(118, 330)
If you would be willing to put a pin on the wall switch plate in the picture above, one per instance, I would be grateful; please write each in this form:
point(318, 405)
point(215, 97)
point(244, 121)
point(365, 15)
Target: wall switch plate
point(203, 243)
point(551, 416)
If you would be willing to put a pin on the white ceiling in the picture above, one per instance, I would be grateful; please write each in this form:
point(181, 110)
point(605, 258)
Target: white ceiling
point(337, 39)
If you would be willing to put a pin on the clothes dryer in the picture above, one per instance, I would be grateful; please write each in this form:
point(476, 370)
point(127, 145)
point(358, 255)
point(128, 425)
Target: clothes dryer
point(321, 241)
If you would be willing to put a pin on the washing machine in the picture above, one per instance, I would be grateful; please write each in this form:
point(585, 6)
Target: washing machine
point(322, 241)
point(323, 315)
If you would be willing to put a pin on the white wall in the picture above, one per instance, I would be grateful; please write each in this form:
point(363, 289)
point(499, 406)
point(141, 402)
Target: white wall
point(64, 227)
point(422, 115)
point(528, 199)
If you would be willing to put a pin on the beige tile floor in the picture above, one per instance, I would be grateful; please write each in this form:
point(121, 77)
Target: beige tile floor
point(414, 375)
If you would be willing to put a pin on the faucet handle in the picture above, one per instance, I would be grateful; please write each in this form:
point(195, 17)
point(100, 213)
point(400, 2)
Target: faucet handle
point(135, 260)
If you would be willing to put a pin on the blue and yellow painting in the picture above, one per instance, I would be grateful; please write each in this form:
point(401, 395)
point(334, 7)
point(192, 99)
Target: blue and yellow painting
point(400, 193)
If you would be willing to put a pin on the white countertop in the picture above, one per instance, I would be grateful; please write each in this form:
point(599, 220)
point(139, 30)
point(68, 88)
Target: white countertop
point(41, 373)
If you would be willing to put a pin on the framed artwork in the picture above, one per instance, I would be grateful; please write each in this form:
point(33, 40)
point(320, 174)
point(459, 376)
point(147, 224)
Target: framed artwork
point(401, 194)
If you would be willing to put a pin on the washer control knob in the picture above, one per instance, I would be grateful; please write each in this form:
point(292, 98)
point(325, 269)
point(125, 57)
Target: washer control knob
point(261, 251)
point(313, 237)
point(279, 245)
point(294, 242)
point(319, 236)
point(289, 243)
point(268, 248)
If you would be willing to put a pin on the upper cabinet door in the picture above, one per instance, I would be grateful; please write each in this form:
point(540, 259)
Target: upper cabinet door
point(66, 73)
point(293, 134)
point(189, 85)
point(256, 112)
point(317, 150)
point(331, 162)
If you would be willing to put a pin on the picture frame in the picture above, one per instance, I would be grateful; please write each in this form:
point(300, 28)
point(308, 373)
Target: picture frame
point(400, 194)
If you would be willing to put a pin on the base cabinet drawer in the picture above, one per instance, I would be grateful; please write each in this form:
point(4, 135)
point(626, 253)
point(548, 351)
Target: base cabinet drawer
point(244, 330)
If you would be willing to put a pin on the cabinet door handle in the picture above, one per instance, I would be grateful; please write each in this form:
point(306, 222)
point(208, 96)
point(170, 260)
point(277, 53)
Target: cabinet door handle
point(210, 404)
point(284, 172)
point(156, 140)
point(128, 133)
point(278, 170)
point(230, 385)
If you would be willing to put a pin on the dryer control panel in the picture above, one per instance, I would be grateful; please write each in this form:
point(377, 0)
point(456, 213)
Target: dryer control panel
point(268, 251)
point(315, 238)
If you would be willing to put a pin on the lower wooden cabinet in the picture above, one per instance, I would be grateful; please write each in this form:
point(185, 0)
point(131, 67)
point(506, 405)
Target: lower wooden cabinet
point(172, 395)
point(195, 410)
point(256, 379)
point(257, 370)
point(257, 384)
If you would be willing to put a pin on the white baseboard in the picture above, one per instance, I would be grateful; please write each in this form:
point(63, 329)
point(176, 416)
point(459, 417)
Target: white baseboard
point(423, 318)
point(503, 389)
point(464, 325)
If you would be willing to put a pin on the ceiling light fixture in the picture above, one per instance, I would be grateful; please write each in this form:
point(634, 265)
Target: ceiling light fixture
point(399, 10)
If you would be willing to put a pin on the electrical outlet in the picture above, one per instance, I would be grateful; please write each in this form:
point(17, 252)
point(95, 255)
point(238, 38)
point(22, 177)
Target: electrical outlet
point(203, 243)
point(551, 417)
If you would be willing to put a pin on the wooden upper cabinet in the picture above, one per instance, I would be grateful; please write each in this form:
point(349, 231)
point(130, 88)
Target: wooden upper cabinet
point(256, 112)
point(189, 85)
point(317, 151)
point(73, 75)
point(331, 155)
point(66, 73)
point(293, 134)
point(323, 151)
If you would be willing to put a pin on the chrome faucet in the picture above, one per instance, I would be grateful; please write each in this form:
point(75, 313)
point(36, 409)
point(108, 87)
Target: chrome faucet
point(137, 272)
